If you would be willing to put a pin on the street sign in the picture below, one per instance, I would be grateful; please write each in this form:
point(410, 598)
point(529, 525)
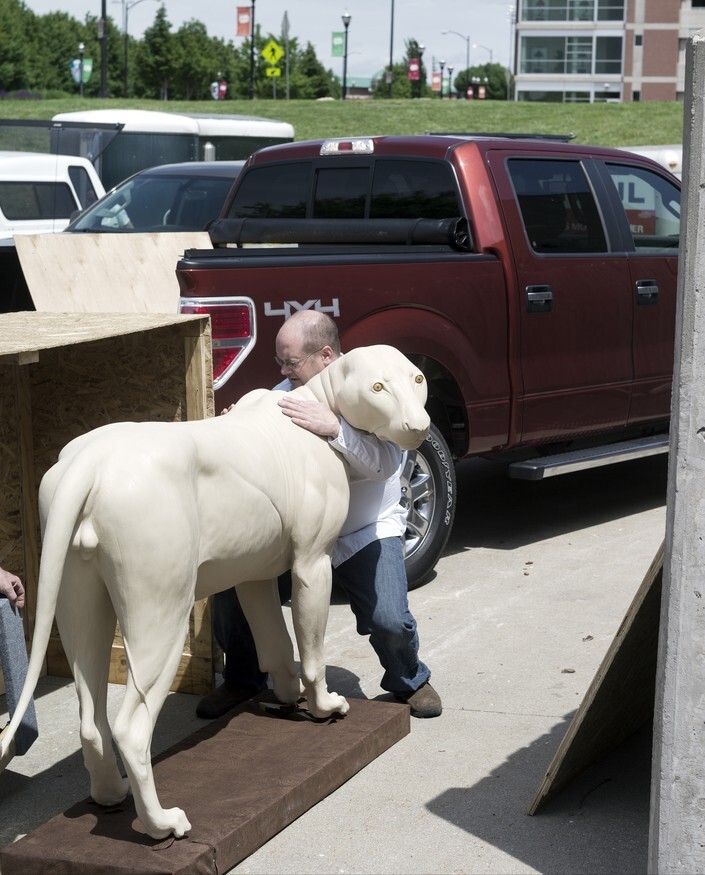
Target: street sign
point(273, 72)
point(272, 52)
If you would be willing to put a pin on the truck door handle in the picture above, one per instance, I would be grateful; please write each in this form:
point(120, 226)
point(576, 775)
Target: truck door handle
point(539, 299)
point(646, 293)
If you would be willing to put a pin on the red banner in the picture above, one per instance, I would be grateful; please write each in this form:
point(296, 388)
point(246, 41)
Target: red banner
point(414, 69)
point(244, 21)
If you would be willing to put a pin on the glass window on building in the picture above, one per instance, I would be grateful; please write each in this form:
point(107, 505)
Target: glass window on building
point(543, 54)
point(579, 55)
point(610, 10)
point(608, 54)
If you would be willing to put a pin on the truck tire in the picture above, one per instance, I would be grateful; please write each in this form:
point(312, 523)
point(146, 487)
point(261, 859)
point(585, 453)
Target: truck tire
point(429, 493)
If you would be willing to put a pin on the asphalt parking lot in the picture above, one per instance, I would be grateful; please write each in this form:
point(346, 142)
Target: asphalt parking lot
point(533, 586)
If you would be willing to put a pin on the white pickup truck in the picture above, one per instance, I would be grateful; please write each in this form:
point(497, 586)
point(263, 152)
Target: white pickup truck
point(39, 192)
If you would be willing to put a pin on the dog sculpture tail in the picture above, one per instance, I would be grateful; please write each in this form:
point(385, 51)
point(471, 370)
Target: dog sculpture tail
point(65, 509)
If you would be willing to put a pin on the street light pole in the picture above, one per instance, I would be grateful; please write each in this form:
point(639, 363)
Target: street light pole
point(467, 45)
point(422, 49)
point(126, 13)
point(391, 52)
point(478, 46)
point(81, 52)
point(442, 65)
point(346, 22)
point(252, 52)
point(450, 81)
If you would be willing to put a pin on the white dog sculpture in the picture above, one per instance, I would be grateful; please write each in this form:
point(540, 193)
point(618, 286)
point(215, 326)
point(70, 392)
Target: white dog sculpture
point(141, 518)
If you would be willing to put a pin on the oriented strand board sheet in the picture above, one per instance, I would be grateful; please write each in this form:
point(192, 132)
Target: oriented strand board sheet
point(241, 779)
point(105, 273)
point(64, 374)
point(620, 698)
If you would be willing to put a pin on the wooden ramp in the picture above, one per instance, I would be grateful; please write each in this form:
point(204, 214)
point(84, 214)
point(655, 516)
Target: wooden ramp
point(620, 698)
point(241, 779)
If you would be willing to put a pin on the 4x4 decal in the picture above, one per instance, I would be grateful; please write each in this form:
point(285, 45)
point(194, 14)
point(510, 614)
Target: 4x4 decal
point(289, 307)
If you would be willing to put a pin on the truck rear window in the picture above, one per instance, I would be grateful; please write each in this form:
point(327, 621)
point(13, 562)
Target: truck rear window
point(382, 189)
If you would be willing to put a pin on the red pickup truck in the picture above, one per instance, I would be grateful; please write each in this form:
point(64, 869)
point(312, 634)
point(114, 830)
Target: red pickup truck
point(532, 280)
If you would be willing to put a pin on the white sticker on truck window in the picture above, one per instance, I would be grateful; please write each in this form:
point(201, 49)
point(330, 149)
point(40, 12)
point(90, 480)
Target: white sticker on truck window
point(289, 307)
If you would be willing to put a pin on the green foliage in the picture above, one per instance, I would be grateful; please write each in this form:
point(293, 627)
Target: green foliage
point(492, 76)
point(602, 124)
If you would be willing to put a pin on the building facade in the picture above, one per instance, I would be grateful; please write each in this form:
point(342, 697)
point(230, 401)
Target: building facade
point(603, 50)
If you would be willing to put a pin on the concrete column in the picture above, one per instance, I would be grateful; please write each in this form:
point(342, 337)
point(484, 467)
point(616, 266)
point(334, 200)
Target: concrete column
point(677, 826)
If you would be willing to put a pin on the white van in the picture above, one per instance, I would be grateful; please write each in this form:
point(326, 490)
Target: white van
point(146, 138)
point(39, 192)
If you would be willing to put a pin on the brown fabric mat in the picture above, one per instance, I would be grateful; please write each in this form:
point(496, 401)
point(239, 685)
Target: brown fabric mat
point(241, 779)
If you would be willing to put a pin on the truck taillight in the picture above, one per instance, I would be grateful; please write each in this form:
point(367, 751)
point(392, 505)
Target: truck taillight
point(234, 330)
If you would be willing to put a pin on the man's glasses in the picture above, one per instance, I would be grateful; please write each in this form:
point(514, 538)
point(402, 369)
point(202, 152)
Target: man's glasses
point(294, 364)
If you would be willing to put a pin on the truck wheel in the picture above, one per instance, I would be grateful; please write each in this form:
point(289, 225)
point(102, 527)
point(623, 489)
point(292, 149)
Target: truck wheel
point(429, 493)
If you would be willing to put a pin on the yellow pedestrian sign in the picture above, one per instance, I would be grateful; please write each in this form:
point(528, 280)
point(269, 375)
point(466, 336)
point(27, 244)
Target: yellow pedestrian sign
point(273, 71)
point(272, 53)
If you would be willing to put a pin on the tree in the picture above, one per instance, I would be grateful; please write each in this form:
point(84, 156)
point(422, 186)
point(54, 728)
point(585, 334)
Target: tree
point(496, 84)
point(157, 57)
point(195, 64)
point(311, 80)
point(15, 50)
point(402, 86)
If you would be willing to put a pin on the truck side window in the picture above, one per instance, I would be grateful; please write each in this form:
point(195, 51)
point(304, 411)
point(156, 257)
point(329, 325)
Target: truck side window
point(652, 205)
point(557, 206)
point(413, 190)
point(273, 191)
point(21, 201)
point(341, 193)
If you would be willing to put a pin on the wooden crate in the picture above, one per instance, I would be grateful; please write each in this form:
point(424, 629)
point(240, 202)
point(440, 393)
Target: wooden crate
point(62, 374)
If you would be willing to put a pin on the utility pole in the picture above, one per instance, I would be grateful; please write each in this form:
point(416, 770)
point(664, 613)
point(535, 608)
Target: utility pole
point(102, 36)
point(252, 52)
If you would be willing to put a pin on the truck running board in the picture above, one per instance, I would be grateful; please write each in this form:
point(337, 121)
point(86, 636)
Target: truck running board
point(580, 460)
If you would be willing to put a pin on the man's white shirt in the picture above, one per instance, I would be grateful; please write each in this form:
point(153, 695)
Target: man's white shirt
point(375, 510)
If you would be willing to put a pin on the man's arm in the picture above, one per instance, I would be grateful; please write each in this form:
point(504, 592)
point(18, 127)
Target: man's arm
point(366, 454)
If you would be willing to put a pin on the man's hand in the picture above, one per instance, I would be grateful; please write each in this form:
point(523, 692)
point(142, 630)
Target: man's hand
point(311, 415)
point(11, 587)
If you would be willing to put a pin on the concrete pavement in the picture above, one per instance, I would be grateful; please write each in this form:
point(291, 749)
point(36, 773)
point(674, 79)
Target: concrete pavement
point(534, 584)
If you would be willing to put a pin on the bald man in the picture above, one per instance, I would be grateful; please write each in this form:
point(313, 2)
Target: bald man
point(368, 559)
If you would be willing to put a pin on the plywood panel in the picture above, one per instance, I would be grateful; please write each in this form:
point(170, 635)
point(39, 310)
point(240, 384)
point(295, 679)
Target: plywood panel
point(620, 698)
point(108, 273)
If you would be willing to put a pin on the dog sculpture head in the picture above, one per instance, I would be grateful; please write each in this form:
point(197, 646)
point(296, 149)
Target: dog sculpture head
point(378, 390)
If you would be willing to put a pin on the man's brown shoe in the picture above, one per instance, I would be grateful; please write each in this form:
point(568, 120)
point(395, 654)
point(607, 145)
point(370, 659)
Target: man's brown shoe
point(222, 700)
point(424, 702)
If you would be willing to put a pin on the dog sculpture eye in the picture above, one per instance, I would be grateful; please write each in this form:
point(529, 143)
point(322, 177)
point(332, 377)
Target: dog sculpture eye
point(377, 387)
point(419, 378)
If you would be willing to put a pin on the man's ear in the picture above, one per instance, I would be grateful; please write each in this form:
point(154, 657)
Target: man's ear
point(327, 355)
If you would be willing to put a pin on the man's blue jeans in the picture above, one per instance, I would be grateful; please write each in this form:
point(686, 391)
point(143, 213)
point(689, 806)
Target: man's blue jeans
point(374, 580)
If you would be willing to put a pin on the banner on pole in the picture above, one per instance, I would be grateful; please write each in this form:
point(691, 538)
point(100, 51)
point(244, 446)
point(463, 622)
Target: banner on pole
point(435, 81)
point(414, 69)
point(338, 44)
point(244, 21)
point(76, 70)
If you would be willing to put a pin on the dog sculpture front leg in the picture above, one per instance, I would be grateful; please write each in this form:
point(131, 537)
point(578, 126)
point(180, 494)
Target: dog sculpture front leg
point(310, 600)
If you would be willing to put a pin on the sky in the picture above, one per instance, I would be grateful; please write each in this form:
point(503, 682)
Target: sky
point(484, 22)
